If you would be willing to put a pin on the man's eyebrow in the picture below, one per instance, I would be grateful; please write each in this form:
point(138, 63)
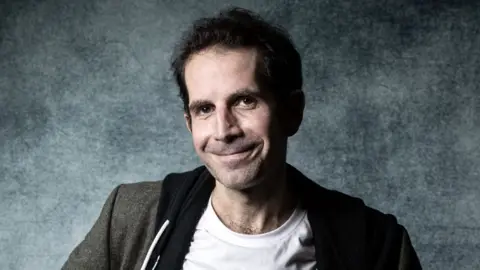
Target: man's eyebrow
point(197, 104)
point(233, 97)
point(244, 92)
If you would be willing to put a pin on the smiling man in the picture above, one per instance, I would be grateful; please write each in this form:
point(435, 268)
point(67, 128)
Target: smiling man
point(240, 80)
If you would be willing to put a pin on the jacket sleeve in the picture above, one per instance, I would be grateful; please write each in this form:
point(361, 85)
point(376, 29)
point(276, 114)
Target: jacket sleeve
point(393, 248)
point(93, 252)
point(389, 245)
point(408, 259)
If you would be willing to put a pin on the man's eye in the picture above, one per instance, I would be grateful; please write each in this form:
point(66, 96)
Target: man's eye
point(247, 101)
point(205, 109)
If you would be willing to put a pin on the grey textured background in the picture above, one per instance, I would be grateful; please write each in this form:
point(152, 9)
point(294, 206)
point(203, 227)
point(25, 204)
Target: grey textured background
point(86, 103)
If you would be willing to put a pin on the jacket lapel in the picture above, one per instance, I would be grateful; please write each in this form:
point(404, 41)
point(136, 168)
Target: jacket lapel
point(189, 213)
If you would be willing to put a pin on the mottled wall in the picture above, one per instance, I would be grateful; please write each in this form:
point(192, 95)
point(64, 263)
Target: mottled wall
point(86, 103)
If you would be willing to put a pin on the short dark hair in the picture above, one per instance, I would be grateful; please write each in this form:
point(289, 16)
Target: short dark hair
point(279, 67)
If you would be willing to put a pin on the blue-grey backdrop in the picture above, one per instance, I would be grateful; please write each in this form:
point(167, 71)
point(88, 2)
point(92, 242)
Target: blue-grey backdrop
point(87, 103)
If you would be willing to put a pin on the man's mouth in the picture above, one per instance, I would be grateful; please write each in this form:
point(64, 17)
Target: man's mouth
point(236, 151)
point(234, 158)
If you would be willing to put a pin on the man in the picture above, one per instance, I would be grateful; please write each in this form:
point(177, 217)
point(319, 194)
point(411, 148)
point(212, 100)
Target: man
point(240, 79)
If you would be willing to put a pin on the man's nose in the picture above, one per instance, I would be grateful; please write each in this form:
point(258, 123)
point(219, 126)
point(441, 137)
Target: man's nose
point(227, 127)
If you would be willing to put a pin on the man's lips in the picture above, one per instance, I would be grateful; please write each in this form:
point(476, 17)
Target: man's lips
point(234, 150)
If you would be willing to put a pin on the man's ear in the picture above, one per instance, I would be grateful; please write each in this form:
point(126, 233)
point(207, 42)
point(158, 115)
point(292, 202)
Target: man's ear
point(188, 121)
point(295, 106)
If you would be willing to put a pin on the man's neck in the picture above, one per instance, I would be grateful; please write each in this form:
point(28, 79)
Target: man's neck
point(257, 210)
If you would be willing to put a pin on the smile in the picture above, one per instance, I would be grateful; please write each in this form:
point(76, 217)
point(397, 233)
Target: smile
point(237, 158)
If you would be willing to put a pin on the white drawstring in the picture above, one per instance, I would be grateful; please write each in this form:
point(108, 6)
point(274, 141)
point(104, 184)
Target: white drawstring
point(152, 246)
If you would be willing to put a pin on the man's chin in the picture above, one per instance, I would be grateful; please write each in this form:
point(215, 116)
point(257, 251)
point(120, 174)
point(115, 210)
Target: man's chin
point(240, 178)
point(241, 185)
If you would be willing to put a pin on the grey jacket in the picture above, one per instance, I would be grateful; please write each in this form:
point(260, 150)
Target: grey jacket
point(123, 232)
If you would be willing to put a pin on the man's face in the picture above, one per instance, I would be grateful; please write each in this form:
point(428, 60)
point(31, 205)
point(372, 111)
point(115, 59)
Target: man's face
point(233, 123)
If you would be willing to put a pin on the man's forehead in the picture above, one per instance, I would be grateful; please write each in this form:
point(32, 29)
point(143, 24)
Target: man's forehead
point(231, 59)
point(210, 76)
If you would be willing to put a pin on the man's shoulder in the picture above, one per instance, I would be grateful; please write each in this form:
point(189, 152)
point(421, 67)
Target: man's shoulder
point(352, 226)
point(144, 191)
point(342, 209)
point(139, 191)
point(343, 204)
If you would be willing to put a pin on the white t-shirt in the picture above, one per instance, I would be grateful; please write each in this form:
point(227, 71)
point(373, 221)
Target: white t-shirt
point(215, 247)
